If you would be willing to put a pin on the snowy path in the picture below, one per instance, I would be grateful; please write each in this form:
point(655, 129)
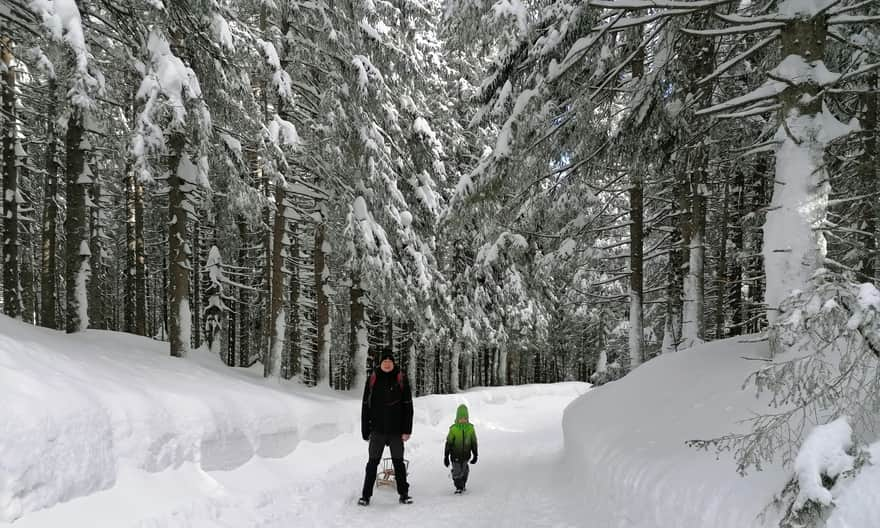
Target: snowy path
point(318, 484)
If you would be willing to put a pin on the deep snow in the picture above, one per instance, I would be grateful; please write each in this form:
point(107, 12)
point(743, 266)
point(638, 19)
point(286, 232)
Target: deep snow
point(104, 429)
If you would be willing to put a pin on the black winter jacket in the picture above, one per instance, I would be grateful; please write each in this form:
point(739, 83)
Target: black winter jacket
point(387, 406)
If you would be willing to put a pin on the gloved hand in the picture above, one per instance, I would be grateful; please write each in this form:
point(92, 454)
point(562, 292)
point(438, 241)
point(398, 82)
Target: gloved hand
point(366, 434)
point(446, 461)
point(474, 460)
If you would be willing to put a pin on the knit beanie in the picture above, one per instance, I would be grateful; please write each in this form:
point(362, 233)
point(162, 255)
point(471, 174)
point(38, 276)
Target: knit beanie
point(386, 355)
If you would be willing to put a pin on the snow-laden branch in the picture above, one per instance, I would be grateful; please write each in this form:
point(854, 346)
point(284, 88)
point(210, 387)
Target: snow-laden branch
point(767, 90)
point(749, 28)
point(739, 58)
point(852, 19)
point(657, 4)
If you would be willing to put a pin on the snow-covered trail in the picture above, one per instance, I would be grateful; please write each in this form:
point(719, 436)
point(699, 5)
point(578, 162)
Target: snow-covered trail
point(515, 482)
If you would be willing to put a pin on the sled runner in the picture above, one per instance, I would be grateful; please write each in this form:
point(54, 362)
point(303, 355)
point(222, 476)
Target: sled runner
point(385, 476)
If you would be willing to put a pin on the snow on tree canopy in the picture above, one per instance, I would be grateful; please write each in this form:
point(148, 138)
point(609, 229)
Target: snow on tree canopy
point(62, 18)
point(869, 297)
point(166, 87)
point(795, 70)
point(366, 72)
point(283, 132)
point(489, 254)
point(222, 34)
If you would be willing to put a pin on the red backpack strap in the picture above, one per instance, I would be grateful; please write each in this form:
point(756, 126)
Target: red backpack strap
point(400, 379)
point(372, 379)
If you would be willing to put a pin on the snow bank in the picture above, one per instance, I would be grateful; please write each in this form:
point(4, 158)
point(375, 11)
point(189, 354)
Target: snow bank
point(80, 408)
point(625, 450)
point(856, 501)
point(625, 443)
point(136, 436)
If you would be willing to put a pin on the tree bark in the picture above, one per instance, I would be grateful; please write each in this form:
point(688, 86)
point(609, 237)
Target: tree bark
point(197, 285)
point(868, 175)
point(322, 276)
point(48, 259)
point(278, 317)
point(359, 347)
point(178, 258)
point(244, 348)
point(76, 226)
point(130, 250)
point(140, 274)
point(11, 287)
point(793, 246)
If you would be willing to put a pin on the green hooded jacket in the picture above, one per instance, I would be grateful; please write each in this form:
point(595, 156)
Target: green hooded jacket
point(461, 441)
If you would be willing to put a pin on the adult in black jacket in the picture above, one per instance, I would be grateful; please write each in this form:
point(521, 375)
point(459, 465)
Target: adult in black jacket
point(386, 420)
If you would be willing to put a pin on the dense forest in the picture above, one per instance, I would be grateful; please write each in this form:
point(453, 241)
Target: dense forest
point(499, 193)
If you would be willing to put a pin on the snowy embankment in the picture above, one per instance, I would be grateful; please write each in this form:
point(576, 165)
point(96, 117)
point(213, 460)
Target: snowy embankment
point(627, 441)
point(104, 429)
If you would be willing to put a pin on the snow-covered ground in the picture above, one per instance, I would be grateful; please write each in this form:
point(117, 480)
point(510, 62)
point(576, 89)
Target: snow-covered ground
point(104, 430)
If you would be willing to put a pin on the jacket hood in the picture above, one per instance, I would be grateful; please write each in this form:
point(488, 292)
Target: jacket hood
point(462, 412)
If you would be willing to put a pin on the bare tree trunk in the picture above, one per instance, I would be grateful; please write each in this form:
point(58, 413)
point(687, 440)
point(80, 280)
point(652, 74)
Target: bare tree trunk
point(868, 175)
point(244, 349)
point(721, 269)
point(693, 325)
point(294, 348)
point(140, 274)
point(11, 287)
point(278, 317)
point(636, 236)
point(793, 246)
point(197, 285)
point(49, 263)
point(358, 339)
point(26, 256)
point(130, 250)
point(76, 226)
point(735, 280)
point(322, 276)
point(97, 311)
point(180, 318)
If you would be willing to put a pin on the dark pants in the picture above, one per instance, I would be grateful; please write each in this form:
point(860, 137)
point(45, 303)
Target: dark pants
point(378, 441)
point(460, 472)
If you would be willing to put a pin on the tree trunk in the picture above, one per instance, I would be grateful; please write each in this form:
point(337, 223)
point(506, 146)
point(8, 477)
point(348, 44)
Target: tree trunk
point(636, 328)
point(735, 280)
point(721, 269)
point(295, 336)
point(636, 234)
point(693, 326)
point(197, 285)
point(48, 260)
point(11, 288)
point(97, 311)
point(244, 349)
point(140, 274)
point(322, 276)
point(278, 317)
point(358, 338)
point(180, 318)
point(130, 250)
point(26, 255)
point(76, 228)
point(793, 246)
point(868, 175)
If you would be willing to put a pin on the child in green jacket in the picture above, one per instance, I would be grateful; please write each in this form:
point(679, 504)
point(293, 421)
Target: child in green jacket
point(461, 443)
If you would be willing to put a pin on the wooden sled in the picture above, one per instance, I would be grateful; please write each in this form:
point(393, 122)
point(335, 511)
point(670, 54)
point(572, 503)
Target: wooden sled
point(385, 476)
